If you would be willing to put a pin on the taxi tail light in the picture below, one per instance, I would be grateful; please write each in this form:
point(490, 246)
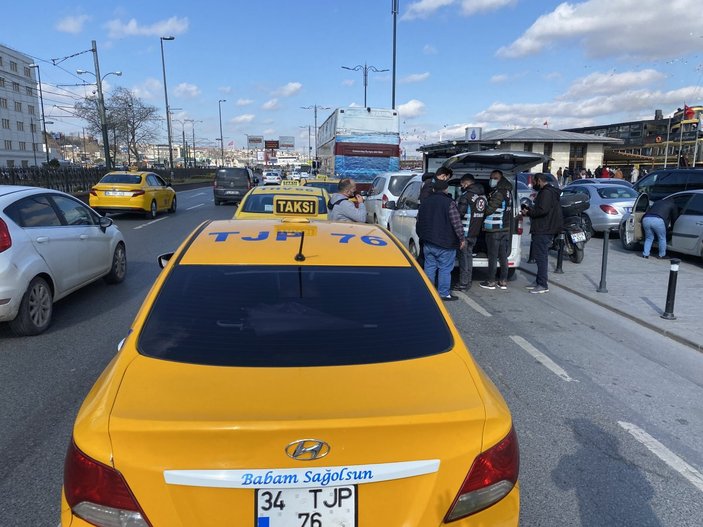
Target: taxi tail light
point(93, 192)
point(5, 238)
point(98, 493)
point(609, 209)
point(384, 201)
point(519, 225)
point(136, 193)
point(492, 476)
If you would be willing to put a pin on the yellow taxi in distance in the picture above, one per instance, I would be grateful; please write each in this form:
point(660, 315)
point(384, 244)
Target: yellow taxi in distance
point(251, 390)
point(143, 192)
point(284, 200)
point(330, 185)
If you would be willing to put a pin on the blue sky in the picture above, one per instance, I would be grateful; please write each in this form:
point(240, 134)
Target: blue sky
point(490, 63)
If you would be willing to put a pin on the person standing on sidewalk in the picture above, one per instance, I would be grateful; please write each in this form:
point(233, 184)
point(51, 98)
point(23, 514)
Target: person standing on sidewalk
point(471, 204)
point(439, 226)
point(546, 221)
point(497, 228)
point(660, 216)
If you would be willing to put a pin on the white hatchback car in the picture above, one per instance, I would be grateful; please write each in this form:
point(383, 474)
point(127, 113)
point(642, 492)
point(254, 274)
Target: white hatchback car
point(51, 244)
point(385, 187)
point(272, 178)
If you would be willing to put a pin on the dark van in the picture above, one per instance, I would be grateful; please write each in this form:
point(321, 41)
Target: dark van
point(666, 181)
point(231, 184)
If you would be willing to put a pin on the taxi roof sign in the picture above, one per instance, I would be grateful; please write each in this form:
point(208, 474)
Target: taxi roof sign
point(295, 206)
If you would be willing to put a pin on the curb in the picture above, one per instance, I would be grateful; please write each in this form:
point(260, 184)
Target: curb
point(678, 338)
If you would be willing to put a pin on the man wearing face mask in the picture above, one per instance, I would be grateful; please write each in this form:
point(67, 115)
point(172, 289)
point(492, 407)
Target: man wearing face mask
point(546, 221)
point(496, 225)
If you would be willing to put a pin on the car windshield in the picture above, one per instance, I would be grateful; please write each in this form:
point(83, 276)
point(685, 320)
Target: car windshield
point(292, 316)
point(232, 175)
point(264, 203)
point(397, 184)
point(616, 192)
point(124, 179)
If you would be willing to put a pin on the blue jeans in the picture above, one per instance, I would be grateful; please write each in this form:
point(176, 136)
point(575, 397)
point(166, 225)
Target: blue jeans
point(439, 261)
point(654, 225)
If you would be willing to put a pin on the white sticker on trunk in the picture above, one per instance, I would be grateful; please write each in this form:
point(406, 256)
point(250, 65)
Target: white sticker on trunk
point(291, 478)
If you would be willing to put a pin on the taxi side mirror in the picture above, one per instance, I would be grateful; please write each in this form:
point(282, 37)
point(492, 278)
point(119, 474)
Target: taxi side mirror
point(390, 205)
point(163, 259)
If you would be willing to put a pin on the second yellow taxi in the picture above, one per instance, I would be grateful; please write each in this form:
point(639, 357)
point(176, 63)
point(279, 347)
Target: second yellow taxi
point(285, 200)
point(143, 192)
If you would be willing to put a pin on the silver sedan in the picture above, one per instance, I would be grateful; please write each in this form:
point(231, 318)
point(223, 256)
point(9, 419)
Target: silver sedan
point(608, 204)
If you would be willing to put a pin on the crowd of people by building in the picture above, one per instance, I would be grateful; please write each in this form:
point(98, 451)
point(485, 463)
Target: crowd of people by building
point(565, 176)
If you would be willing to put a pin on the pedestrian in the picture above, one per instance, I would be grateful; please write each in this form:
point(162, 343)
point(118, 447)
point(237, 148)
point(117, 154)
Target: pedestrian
point(439, 225)
point(599, 170)
point(472, 205)
point(634, 174)
point(346, 205)
point(589, 174)
point(545, 222)
point(496, 225)
point(661, 216)
point(618, 174)
point(582, 174)
point(567, 174)
point(560, 177)
point(428, 178)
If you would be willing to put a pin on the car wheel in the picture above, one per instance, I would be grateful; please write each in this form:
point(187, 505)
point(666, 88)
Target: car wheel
point(34, 315)
point(174, 204)
point(217, 203)
point(511, 274)
point(119, 265)
point(413, 249)
point(627, 238)
point(588, 226)
point(375, 219)
point(152, 211)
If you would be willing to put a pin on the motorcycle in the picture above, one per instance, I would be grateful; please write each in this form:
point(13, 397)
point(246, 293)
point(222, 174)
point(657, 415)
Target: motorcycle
point(575, 232)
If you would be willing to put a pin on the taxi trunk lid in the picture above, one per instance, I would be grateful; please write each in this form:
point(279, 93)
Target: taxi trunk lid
point(428, 415)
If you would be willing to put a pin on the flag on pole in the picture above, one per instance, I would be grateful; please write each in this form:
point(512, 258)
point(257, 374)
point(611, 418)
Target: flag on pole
point(545, 123)
point(688, 112)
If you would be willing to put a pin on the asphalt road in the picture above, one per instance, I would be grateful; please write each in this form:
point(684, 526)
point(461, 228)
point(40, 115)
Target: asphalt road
point(608, 414)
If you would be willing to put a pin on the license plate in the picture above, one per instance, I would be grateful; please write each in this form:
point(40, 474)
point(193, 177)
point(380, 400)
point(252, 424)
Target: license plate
point(232, 192)
point(578, 237)
point(309, 507)
point(115, 193)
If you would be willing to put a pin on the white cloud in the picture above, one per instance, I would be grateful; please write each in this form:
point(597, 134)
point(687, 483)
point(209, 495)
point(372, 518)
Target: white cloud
point(355, 105)
point(271, 104)
point(244, 102)
point(269, 131)
point(471, 7)
point(225, 89)
point(348, 82)
point(186, 90)
point(72, 24)
point(429, 49)
point(415, 77)
point(611, 83)
point(173, 26)
point(412, 108)
point(425, 8)
point(653, 29)
point(289, 89)
point(497, 79)
point(150, 89)
point(245, 118)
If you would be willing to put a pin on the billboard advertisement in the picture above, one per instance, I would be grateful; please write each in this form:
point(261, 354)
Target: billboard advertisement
point(255, 142)
point(271, 144)
point(286, 142)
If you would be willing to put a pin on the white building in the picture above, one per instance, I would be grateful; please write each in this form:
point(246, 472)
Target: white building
point(21, 140)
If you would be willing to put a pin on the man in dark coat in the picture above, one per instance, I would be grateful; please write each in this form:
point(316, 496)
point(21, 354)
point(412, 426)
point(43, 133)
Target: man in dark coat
point(472, 205)
point(496, 224)
point(546, 222)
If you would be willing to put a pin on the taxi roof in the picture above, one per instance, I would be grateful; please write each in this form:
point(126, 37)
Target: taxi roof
point(288, 189)
point(277, 242)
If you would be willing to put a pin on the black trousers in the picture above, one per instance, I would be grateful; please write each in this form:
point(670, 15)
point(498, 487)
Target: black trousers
point(540, 245)
point(466, 262)
point(497, 246)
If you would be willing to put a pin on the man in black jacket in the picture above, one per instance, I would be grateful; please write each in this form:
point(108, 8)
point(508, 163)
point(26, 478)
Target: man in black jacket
point(546, 222)
point(428, 179)
point(471, 204)
point(660, 216)
point(496, 224)
point(439, 226)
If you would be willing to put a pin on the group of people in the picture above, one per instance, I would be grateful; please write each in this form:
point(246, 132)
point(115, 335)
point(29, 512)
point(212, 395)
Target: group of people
point(564, 175)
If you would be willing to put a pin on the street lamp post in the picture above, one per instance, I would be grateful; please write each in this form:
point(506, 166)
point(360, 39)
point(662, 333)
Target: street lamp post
point(43, 117)
point(394, 10)
point(168, 114)
point(222, 142)
point(365, 68)
point(315, 107)
point(101, 102)
point(192, 146)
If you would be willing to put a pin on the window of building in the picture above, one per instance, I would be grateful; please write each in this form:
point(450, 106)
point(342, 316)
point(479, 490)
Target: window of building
point(527, 147)
point(30, 109)
point(10, 163)
point(20, 126)
point(8, 144)
point(16, 87)
point(6, 124)
point(18, 106)
point(3, 102)
point(23, 145)
point(0, 61)
point(25, 163)
point(29, 90)
point(33, 128)
point(2, 82)
point(13, 66)
point(35, 147)
point(27, 72)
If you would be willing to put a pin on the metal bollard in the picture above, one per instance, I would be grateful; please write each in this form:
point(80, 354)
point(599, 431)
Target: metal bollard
point(604, 263)
point(560, 254)
point(671, 290)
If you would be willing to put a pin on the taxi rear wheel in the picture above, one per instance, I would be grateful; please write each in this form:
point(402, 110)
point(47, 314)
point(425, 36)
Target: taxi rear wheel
point(36, 308)
point(173, 205)
point(152, 211)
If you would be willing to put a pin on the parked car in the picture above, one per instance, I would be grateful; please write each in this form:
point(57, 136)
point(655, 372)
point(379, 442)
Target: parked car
point(51, 244)
point(526, 178)
point(687, 232)
point(600, 180)
point(231, 184)
point(523, 191)
point(123, 191)
point(666, 181)
point(272, 178)
point(403, 219)
point(384, 188)
point(608, 204)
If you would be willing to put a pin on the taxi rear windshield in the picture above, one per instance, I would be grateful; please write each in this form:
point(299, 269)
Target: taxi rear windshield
point(288, 316)
point(125, 179)
point(264, 203)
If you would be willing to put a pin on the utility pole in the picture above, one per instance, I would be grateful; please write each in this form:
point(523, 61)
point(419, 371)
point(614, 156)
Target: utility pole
point(168, 110)
point(315, 107)
point(101, 108)
point(394, 8)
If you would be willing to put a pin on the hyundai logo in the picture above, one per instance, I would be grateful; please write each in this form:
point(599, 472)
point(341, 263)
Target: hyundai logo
point(307, 449)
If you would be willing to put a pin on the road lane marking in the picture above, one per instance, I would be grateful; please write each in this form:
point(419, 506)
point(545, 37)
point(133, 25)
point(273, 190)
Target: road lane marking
point(196, 195)
point(196, 206)
point(542, 358)
point(149, 223)
point(473, 304)
point(666, 455)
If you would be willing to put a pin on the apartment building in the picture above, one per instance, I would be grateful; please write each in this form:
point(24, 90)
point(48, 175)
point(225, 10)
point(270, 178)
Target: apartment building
point(21, 143)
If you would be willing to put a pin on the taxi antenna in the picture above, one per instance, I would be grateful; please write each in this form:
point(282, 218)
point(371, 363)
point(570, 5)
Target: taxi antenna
point(300, 257)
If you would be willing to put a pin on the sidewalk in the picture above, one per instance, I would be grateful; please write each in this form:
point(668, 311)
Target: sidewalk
point(636, 287)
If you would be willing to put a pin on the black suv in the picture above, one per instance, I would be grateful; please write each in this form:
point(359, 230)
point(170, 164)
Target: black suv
point(666, 181)
point(231, 184)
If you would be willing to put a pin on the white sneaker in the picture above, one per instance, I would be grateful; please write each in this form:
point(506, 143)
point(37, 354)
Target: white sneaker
point(540, 289)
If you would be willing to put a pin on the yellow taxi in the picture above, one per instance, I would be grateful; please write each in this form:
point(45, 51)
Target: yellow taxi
point(253, 390)
point(329, 184)
point(143, 192)
point(283, 200)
